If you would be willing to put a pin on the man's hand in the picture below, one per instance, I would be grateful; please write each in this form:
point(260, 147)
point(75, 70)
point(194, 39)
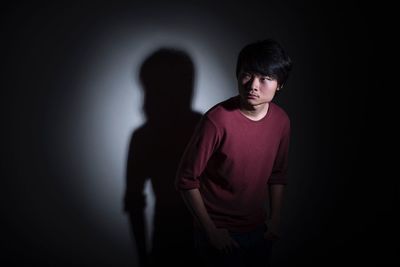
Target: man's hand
point(272, 232)
point(269, 235)
point(221, 240)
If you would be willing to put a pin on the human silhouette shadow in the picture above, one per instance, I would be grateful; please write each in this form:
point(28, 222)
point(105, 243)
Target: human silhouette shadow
point(155, 149)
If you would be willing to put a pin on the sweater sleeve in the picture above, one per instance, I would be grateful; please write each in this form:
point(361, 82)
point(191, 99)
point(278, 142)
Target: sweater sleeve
point(200, 148)
point(280, 167)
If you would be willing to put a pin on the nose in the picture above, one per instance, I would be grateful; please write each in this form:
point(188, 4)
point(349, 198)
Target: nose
point(254, 84)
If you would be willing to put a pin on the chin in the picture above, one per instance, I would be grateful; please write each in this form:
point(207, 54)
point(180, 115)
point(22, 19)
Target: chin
point(255, 101)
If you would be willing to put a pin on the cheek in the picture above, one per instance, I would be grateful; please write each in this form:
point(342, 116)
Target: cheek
point(269, 94)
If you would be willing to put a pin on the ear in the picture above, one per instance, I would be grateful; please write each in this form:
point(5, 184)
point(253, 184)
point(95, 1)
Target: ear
point(280, 86)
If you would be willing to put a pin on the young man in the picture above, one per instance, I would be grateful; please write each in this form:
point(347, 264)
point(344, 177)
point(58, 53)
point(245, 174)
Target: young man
point(235, 164)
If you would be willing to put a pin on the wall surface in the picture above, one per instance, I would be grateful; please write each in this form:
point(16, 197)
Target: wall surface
point(74, 110)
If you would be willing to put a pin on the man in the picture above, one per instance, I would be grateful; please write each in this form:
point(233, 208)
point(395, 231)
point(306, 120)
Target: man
point(236, 162)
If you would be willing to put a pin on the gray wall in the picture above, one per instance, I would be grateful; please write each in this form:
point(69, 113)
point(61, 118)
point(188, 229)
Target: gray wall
point(71, 100)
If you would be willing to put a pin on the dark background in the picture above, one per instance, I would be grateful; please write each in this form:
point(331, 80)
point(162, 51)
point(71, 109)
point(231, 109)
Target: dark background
point(341, 197)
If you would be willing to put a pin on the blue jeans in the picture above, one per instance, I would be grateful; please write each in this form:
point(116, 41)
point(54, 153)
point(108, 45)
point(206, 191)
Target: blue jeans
point(254, 250)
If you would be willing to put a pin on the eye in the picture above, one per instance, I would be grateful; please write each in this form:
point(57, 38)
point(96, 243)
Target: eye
point(266, 78)
point(245, 76)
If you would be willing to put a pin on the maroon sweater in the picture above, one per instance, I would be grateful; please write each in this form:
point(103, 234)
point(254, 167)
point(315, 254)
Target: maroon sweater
point(231, 159)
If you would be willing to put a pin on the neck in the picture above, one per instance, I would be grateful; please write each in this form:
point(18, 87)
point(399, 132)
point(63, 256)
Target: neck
point(254, 113)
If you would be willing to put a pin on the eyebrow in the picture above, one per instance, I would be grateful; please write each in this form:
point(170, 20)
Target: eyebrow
point(259, 74)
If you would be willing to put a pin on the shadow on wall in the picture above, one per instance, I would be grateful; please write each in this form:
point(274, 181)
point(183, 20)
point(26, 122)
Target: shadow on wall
point(155, 149)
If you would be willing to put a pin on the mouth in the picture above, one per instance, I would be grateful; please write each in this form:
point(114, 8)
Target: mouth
point(251, 96)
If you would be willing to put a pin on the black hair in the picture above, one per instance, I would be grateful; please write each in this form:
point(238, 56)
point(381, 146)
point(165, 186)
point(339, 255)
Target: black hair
point(266, 57)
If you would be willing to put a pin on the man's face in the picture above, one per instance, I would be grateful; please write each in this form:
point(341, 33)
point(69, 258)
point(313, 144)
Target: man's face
point(256, 89)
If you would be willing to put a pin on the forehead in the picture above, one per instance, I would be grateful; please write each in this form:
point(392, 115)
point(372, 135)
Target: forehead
point(255, 73)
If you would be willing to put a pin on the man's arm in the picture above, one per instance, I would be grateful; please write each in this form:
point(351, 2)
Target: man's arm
point(202, 145)
point(275, 193)
point(276, 185)
point(219, 238)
